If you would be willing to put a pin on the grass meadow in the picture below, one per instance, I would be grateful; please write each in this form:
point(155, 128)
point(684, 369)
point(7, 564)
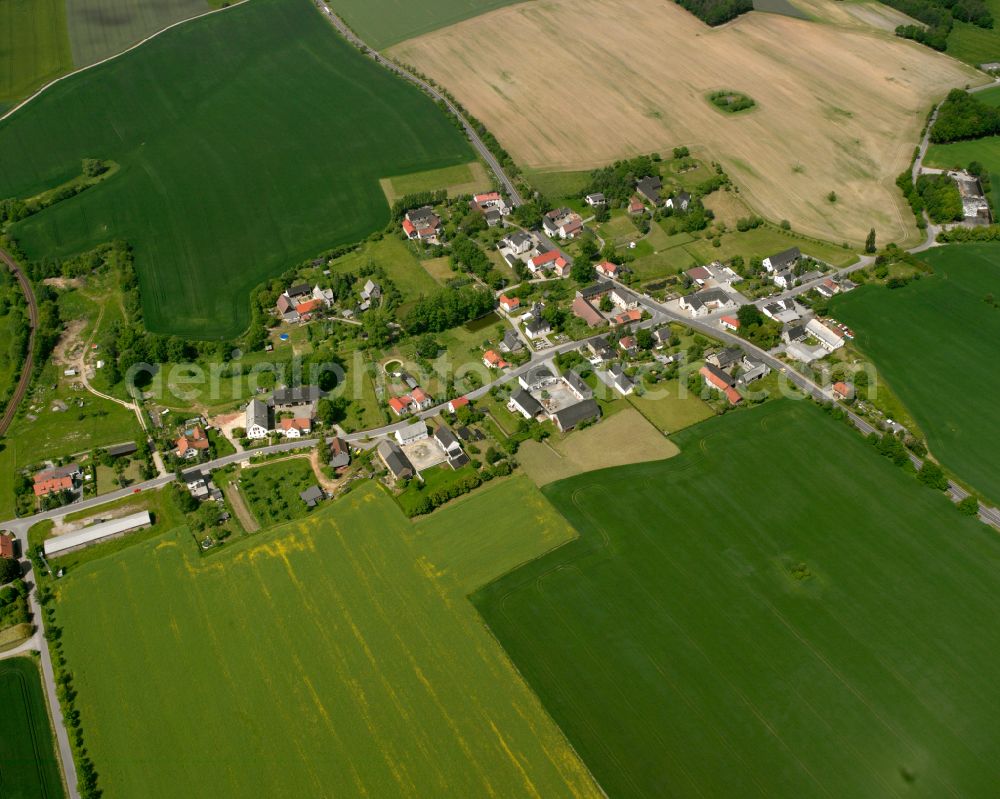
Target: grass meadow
point(34, 46)
point(99, 28)
point(263, 144)
point(777, 611)
point(337, 655)
point(30, 765)
point(934, 341)
point(382, 23)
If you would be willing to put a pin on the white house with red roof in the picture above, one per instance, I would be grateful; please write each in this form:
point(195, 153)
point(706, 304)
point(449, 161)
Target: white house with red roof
point(730, 323)
point(295, 428)
point(493, 361)
point(608, 269)
point(720, 381)
point(509, 304)
point(551, 260)
point(490, 200)
point(458, 402)
point(563, 222)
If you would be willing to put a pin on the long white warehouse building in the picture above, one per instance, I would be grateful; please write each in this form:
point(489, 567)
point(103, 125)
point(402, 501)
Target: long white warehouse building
point(78, 539)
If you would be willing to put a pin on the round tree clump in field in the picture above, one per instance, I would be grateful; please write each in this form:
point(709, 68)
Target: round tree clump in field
point(731, 102)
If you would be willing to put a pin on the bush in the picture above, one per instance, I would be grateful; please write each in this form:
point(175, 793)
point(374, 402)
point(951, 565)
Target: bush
point(969, 506)
point(10, 570)
point(940, 197)
point(963, 116)
point(932, 475)
point(716, 12)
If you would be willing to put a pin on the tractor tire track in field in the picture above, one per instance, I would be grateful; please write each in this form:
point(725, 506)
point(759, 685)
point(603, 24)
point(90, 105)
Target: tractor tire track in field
point(29, 360)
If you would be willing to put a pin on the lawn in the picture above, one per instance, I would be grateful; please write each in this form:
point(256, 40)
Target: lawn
point(934, 342)
point(975, 45)
point(624, 438)
point(459, 179)
point(436, 478)
point(764, 241)
point(961, 154)
point(708, 635)
point(30, 766)
point(399, 260)
point(558, 185)
point(335, 656)
point(676, 409)
point(382, 23)
point(213, 194)
point(34, 46)
point(272, 490)
point(101, 28)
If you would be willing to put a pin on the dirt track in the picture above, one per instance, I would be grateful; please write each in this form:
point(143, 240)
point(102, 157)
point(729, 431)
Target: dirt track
point(29, 361)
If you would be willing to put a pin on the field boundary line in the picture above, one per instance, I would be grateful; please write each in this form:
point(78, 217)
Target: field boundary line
point(113, 56)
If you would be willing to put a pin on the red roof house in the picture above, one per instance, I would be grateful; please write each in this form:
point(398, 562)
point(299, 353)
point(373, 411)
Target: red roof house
point(718, 382)
point(509, 303)
point(494, 361)
point(458, 402)
point(399, 405)
point(730, 322)
point(308, 307)
point(6, 546)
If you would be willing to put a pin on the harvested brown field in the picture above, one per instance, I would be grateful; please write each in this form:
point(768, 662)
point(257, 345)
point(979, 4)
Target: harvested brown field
point(618, 440)
point(571, 85)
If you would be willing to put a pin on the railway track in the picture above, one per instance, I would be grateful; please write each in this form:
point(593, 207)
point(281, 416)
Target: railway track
point(29, 361)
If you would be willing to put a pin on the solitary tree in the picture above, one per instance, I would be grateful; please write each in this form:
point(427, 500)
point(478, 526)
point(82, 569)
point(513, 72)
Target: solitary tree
point(870, 242)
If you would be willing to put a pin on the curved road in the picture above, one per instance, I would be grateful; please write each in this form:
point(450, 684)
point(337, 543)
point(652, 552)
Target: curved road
point(29, 361)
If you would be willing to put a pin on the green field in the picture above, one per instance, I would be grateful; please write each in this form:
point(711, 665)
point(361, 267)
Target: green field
point(760, 617)
point(935, 343)
point(961, 154)
point(34, 47)
point(102, 28)
point(262, 145)
point(30, 769)
point(382, 23)
point(973, 44)
point(456, 180)
point(336, 656)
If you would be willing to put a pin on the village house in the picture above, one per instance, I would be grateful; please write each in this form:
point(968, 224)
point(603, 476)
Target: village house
point(595, 291)
point(493, 361)
point(782, 261)
point(679, 202)
point(395, 461)
point(458, 402)
point(370, 294)
point(509, 304)
point(719, 380)
point(752, 369)
point(662, 336)
point(489, 201)
point(340, 453)
point(622, 299)
point(523, 403)
point(595, 200)
point(325, 296)
point(725, 359)
point(422, 224)
point(511, 342)
point(783, 311)
point(537, 378)
point(600, 350)
point(574, 415)
point(713, 275)
point(578, 385)
point(623, 384)
point(628, 345)
point(258, 420)
point(829, 339)
point(552, 259)
point(517, 243)
point(296, 397)
point(56, 479)
point(626, 317)
point(608, 269)
point(649, 187)
point(295, 428)
point(636, 206)
point(828, 288)
point(413, 432)
point(843, 391)
point(793, 334)
point(562, 222)
point(707, 301)
point(730, 323)
point(784, 279)
point(192, 441)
